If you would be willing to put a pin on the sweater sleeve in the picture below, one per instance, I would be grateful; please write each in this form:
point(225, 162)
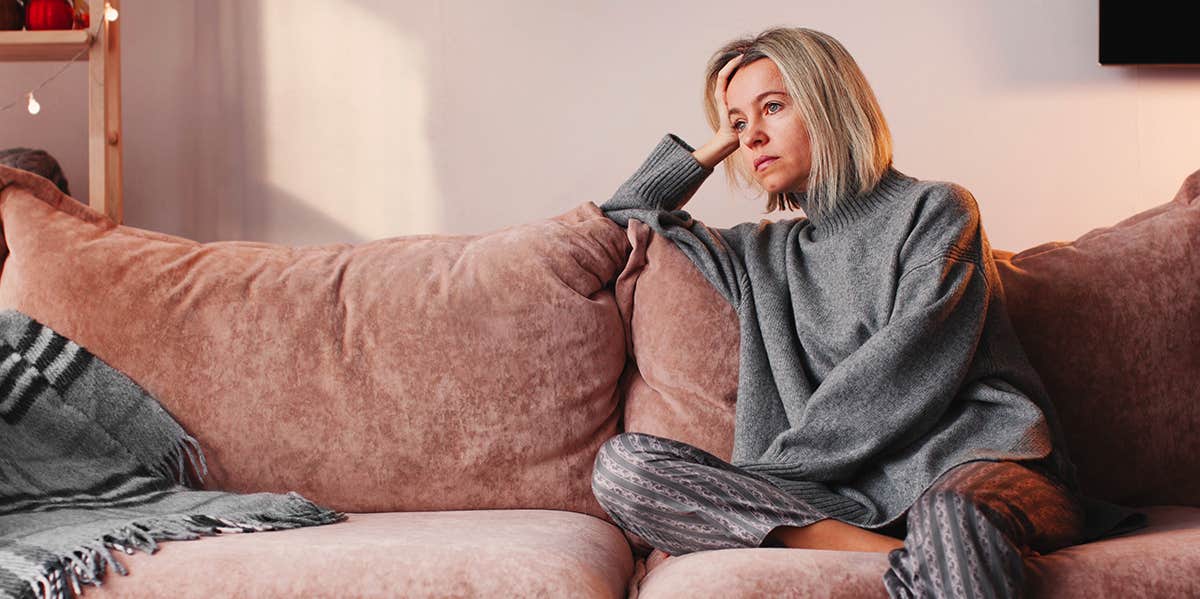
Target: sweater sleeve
point(896, 387)
point(668, 176)
point(653, 194)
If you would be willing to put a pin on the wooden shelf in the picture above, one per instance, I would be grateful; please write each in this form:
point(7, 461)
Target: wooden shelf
point(103, 55)
point(39, 46)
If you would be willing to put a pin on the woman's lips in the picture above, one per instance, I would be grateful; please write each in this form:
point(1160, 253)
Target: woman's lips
point(764, 163)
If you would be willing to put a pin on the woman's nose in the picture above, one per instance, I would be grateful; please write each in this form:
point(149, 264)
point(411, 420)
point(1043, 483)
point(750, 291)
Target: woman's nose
point(754, 133)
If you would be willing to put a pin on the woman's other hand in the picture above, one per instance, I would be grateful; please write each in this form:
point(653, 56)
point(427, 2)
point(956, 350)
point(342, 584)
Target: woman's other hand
point(725, 141)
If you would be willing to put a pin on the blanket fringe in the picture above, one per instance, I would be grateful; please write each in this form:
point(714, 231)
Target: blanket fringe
point(171, 466)
point(88, 563)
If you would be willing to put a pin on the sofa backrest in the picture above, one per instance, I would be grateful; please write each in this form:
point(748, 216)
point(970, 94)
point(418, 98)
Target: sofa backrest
point(1111, 321)
point(425, 372)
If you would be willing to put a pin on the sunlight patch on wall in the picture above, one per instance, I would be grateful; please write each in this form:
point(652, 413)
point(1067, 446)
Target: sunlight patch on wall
point(344, 104)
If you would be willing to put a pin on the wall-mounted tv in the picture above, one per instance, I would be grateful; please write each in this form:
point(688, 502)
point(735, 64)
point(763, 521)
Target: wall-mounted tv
point(1149, 32)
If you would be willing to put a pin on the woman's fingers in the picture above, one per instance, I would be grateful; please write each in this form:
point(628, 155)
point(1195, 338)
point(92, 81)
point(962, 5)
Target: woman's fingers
point(729, 66)
point(722, 81)
point(719, 89)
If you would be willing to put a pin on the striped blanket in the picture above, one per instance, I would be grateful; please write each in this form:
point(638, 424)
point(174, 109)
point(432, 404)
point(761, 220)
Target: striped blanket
point(89, 461)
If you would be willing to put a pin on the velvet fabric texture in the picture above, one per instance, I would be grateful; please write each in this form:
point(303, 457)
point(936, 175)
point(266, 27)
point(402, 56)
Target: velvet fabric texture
point(478, 553)
point(1111, 321)
point(682, 380)
point(426, 372)
point(1160, 561)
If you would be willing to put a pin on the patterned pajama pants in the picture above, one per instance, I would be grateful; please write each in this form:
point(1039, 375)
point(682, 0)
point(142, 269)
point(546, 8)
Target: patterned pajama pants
point(966, 536)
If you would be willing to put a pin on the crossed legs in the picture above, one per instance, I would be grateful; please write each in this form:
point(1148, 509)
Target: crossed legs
point(967, 535)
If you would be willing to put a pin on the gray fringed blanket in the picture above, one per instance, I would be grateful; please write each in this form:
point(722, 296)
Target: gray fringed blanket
point(90, 461)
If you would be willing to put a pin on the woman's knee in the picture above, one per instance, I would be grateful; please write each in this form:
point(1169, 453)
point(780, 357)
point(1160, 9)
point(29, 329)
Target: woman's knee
point(619, 478)
point(939, 504)
point(635, 449)
point(629, 463)
point(625, 451)
point(944, 508)
point(1020, 502)
point(625, 441)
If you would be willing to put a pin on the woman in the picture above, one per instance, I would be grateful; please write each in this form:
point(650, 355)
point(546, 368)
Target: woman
point(884, 400)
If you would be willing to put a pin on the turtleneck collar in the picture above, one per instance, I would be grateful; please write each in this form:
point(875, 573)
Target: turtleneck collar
point(849, 210)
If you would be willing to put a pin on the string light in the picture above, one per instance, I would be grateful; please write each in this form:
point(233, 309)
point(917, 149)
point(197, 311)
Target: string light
point(110, 14)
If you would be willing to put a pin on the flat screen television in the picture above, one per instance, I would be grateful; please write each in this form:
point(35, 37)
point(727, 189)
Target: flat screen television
point(1149, 32)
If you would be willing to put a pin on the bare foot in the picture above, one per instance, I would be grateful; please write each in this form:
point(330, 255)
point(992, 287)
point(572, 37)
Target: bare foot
point(832, 534)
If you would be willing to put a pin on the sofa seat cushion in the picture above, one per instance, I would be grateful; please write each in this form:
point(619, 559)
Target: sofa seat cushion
point(465, 553)
point(1162, 560)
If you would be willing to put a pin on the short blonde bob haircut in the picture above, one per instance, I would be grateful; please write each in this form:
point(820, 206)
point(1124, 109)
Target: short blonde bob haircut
point(851, 143)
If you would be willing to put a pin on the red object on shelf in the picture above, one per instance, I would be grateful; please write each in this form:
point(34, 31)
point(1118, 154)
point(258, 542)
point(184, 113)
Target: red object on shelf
point(49, 14)
point(12, 15)
point(83, 15)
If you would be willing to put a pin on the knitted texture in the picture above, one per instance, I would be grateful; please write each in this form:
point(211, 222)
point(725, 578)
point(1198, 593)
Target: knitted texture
point(876, 351)
point(90, 461)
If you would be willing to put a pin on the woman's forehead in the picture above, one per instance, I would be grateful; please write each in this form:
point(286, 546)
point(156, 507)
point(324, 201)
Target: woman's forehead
point(752, 81)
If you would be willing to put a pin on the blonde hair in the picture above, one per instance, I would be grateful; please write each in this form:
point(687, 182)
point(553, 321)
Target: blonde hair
point(850, 140)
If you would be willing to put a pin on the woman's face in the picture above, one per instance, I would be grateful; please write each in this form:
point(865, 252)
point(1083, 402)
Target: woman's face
point(768, 123)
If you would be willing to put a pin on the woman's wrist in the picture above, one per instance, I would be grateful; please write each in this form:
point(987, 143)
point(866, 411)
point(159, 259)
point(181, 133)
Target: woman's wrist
point(713, 152)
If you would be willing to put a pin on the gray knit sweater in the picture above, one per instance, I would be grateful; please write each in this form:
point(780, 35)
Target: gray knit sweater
point(876, 351)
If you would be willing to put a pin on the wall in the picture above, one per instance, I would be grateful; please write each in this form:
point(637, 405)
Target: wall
point(348, 120)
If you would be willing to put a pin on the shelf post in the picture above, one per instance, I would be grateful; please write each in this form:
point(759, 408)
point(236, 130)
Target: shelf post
point(104, 114)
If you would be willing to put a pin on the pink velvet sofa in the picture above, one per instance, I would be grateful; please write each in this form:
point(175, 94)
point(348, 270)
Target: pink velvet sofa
point(449, 392)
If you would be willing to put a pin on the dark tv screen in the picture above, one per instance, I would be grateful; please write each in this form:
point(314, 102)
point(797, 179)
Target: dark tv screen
point(1149, 32)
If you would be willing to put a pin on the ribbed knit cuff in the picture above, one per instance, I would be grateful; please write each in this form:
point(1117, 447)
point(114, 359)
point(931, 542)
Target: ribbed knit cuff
point(667, 174)
point(814, 495)
point(767, 466)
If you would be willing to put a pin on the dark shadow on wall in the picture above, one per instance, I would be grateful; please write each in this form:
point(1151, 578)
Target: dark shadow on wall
point(265, 207)
point(483, 85)
point(194, 139)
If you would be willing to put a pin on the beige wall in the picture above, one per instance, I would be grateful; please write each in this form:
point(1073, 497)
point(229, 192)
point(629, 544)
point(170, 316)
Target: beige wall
point(314, 121)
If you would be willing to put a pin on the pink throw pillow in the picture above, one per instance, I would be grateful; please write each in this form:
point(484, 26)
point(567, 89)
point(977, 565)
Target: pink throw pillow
point(1111, 321)
point(682, 383)
point(426, 372)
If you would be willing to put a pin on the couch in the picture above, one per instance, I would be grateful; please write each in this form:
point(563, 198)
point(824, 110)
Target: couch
point(450, 392)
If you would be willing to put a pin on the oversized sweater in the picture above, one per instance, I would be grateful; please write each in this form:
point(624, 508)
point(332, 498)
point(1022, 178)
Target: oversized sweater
point(876, 351)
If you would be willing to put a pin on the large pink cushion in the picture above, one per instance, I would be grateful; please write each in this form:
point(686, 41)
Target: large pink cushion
point(683, 339)
point(480, 553)
point(427, 372)
point(1111, 321)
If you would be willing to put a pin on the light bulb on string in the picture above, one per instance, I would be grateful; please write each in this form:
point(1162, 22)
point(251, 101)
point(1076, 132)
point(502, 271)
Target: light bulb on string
point(32, 104)
point(110, 13)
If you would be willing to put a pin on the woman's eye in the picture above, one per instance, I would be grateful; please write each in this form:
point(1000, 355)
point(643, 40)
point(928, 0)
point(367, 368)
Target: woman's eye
point(769, 104)
point(737, 125)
